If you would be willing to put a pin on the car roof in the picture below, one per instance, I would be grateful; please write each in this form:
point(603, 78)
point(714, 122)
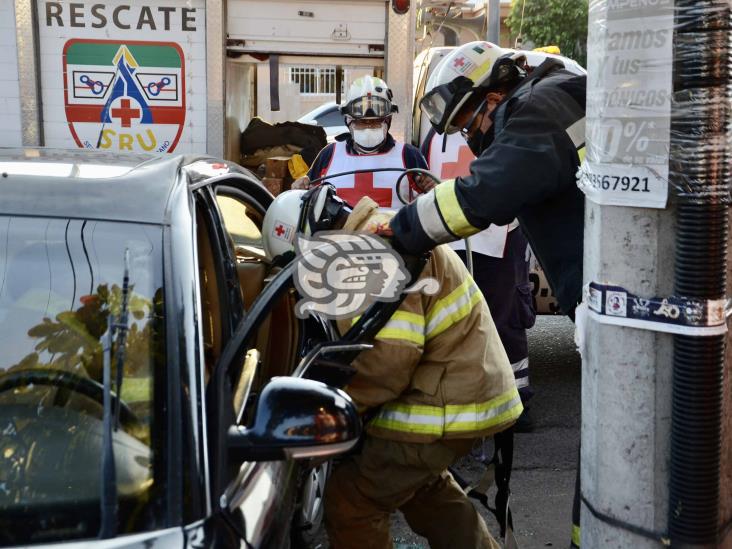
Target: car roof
point(88, 184)
point(317, 111)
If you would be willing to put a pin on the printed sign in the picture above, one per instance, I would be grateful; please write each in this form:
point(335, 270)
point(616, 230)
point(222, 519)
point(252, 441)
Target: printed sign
point(677, 315)
point(125, 95)
point(629, 92)
point(124, 77)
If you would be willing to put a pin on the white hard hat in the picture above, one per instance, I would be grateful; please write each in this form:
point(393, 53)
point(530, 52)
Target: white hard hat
point(368, 97)
point(537, 57)
point(280, 223)
point(299, 212)
point(460, 73)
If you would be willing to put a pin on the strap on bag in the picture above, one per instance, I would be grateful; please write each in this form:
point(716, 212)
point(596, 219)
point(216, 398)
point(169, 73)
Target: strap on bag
point(498, 472)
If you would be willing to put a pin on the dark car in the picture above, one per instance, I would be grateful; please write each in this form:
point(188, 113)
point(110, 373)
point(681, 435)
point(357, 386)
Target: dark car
point(146, 378)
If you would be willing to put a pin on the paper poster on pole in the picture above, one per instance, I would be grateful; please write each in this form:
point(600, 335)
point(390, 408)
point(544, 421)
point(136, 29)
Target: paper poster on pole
point(124, 76)
point(629, 92)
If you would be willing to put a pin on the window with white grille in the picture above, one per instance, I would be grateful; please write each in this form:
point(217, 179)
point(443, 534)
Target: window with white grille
point(315, 80)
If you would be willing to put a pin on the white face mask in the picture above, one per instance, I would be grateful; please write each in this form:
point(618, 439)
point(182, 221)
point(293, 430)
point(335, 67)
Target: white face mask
point(370, 138)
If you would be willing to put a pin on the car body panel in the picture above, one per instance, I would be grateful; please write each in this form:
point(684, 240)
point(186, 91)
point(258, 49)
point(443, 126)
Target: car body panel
point(323, 116)
point(261, 499)
point(158, 539)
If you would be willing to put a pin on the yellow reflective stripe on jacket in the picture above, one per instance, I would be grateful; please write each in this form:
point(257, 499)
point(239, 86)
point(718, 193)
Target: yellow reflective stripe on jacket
point(411, 418)
point(452, 308)
point(430, 219)
point(581, 152)
point(477, 417)
point(404, 326)
point(451, 211)
point(452, 419)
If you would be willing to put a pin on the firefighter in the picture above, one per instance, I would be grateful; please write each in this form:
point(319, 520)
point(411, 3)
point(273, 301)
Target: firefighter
point(526, 126)
point(436, 380)
point(368, 145)
point(500, 259)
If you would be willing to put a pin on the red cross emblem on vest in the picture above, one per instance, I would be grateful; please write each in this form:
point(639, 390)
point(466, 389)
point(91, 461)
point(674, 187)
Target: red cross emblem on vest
point(364, 186)
point(459, 62)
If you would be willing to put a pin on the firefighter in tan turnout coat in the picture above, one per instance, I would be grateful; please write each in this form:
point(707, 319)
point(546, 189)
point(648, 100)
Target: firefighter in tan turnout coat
point(436, 379)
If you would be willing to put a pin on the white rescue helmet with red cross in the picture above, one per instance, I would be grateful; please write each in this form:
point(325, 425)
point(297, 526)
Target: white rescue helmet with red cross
point(460, 73)
point(368, 97)
point(280, 223)
point(299, 212)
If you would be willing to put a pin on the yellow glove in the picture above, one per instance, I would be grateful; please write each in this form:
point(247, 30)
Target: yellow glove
point(297, 166)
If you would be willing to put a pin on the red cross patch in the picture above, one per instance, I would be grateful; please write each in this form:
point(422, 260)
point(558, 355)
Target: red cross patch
point(283, 231)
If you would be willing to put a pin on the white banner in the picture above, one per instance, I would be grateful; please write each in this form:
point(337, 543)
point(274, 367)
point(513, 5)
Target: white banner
point(629, 95)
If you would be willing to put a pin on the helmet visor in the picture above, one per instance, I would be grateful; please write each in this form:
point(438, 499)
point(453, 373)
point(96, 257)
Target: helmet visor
point(441, 103)
point(368, 106)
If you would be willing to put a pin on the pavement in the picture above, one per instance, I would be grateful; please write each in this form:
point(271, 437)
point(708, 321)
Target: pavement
point(545, 460)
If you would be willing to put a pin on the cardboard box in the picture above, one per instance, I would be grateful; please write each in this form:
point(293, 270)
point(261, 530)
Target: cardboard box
point(273, 184)
point(276, 166)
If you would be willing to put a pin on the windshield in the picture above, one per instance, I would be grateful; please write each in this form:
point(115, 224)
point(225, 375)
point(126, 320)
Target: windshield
point(60, 283)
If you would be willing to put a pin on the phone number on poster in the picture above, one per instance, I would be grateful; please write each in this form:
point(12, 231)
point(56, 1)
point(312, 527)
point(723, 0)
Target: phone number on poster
point(618, 183)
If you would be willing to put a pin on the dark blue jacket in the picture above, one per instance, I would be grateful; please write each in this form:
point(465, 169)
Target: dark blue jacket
point(527, 172)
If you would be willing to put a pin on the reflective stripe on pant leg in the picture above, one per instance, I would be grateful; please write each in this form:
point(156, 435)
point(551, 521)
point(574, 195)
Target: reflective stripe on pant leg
point(521, 372)
point(452, 212)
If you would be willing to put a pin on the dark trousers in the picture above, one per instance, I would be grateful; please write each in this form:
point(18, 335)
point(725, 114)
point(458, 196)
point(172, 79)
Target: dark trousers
point(505, 285)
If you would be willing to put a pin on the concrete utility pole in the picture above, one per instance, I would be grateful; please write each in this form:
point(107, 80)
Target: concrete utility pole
point(630, 242)
point(400, 46)
point(493, 13)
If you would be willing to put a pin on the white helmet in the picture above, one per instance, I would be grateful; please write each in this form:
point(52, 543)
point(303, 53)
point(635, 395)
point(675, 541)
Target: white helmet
point(280, 223)
point(368, 97)
point(299, 212)
point(460, 73)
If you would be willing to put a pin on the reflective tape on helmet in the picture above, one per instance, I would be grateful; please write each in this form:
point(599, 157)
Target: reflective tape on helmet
point(451, 419)
point(452, 308)
point(452, 213)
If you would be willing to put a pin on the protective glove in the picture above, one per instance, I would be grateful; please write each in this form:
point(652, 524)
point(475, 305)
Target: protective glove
point(301, 183)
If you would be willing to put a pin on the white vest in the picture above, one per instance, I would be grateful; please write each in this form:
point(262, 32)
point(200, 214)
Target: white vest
point(455, 162)
point(379, 186)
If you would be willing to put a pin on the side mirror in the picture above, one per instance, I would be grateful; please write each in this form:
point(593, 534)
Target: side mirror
point(296, 418)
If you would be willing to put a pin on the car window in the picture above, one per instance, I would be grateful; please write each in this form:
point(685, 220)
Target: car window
point(331, 117)
point(61, 291)
point(243, 222)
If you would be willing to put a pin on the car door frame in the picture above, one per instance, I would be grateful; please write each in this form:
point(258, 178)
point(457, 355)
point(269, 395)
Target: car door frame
point(218, 391)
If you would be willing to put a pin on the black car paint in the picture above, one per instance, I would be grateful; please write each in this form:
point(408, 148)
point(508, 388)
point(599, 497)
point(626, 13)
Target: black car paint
point(191, 501)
